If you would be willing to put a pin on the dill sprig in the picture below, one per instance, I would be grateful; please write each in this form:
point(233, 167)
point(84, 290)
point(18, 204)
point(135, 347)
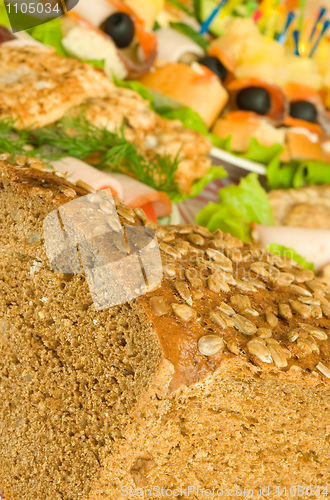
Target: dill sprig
point(75, 136)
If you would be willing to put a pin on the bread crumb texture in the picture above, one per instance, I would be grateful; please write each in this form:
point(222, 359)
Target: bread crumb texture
point(219, 377)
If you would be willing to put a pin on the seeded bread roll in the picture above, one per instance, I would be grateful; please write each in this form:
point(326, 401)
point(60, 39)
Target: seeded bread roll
point(220, 376)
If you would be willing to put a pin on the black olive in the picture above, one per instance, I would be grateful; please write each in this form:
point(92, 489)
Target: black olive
point(255, 99)
point(214, 65)
point(303, 110)
point(121, 29)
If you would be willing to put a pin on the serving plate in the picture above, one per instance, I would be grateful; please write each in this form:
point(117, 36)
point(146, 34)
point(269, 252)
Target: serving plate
point(228, 161)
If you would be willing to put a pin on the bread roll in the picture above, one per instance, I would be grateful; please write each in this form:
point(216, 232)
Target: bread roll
point(193, 86)
point(220, 376)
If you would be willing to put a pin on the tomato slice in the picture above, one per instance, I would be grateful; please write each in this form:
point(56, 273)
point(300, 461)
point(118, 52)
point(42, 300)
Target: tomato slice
point(149, 210)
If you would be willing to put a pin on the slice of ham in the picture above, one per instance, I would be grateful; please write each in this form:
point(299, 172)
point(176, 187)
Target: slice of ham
point(133, 192)
point(313, 244)
point(172, 45)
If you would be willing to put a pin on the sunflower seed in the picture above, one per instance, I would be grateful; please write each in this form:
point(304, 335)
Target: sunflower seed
point(86, 187)
point(316, 311)
point(305, 345)
point(244, 325)
point(224, 263)
point(169, 250)
point(302, 291)
point(259, 269)
point(314, 331)
point(141, 215)
point(217, 284)
point(326, 311)
point(242, 302)
point(226, 309)
point(169, 270)
point(315, 286)
point(181, 246)
point(271, 319)
point(151, 224)
point(284, 279)
point(210, 345)
point(202, 231)
point(192, 276)
point(277, 353)
point(260, 351)
point(315, 347)
point(323, 369)
point(21, 160)
point(196, 239)
point(300, 276)
point(293, 335)
point(216, 243)
point(5, 156)
point(285, 311)
point(264, 333)
point(184, 312)
point(186, 229)
point(160, 232)
point(127, 213)
point(221, 320)
point(158, 306)
point(255, 282)
point(322, 299)
point(184, 291)
point(244, 286)
point(309, 301)
point(302, 309)
point(198, 295)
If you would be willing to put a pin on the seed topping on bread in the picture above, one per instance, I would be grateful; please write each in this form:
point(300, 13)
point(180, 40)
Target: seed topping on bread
point(221, 301)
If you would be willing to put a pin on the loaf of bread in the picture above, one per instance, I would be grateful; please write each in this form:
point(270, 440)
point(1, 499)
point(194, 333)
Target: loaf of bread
point(217, 378)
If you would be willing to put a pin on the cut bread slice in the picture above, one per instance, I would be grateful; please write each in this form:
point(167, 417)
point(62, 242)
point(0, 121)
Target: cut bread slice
point(191, 385)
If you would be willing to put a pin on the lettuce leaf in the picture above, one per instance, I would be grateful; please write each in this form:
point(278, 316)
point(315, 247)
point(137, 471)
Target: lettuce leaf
point(291, 254)
point(137, 86)
point(187, 116)
point(50, 34)
point(239, 206)
point(297, 174)
point(262, 154)
point(198, 186)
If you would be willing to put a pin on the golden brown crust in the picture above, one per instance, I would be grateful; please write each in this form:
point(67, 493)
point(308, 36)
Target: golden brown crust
point(221, 301)
point(37, 86)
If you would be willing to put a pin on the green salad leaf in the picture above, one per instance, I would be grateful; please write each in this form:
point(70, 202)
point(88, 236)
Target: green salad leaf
point(297, 174)
point(191, 33)
point(50, 34)
point(187, 116)
point(262, 154)
point(135, 85)
point(291, 254)
point(198, 186)
point(239, 206)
